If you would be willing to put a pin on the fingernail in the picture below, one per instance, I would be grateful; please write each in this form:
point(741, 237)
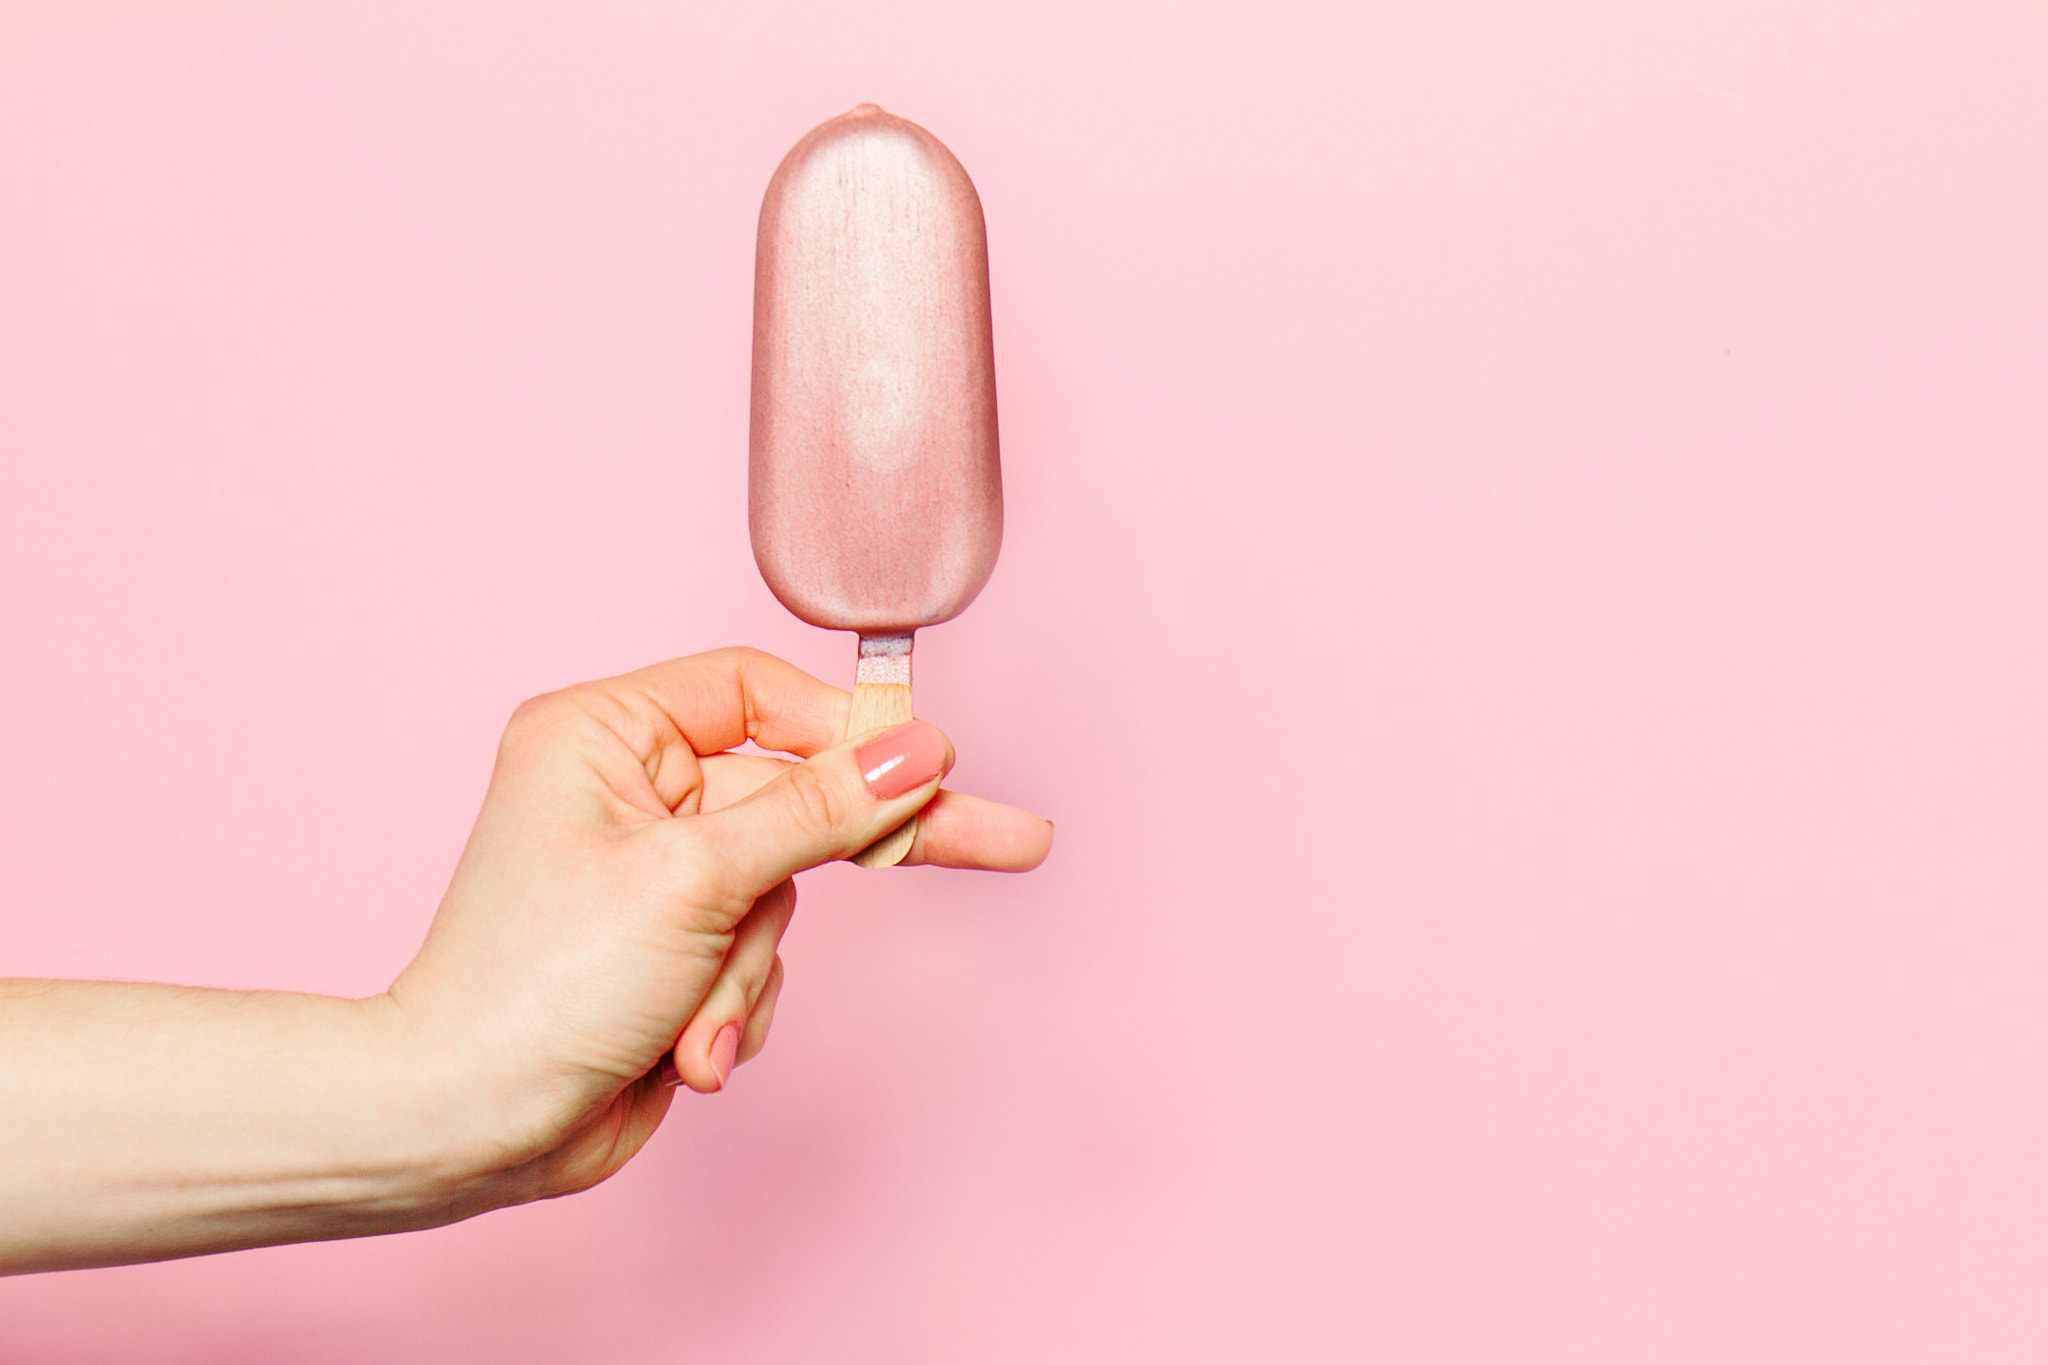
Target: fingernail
point(666, 1073)
point(902, 760)
point(724, 1048)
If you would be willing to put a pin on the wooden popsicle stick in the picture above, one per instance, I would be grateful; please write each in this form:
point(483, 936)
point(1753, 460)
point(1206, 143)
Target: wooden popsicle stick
point(881, 698)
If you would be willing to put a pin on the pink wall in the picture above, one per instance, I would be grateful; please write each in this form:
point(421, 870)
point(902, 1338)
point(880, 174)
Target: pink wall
point(1524, 593)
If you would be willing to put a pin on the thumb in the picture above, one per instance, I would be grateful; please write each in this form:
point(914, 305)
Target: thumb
point(832, 805)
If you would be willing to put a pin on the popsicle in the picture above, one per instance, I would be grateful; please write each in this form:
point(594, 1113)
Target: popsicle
point(874, 490)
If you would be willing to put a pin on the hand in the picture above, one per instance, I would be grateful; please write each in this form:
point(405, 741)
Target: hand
point(626, 887)
point(620, 901)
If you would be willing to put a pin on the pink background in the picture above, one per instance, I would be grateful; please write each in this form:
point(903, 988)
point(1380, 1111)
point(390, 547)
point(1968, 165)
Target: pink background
point(1523, 593)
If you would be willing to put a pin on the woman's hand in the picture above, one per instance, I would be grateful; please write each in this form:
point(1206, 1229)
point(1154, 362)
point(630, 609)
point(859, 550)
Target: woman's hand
point(622, 897)
point(619, 903)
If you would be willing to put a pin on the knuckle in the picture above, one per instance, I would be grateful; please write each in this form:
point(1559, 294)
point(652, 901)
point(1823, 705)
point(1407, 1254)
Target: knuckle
point(530, 725)
point(761, 1007)
point(815, 801)
point(694, 874)
point(778, 902)
point(531, 712)
point(728, 659)
point(752, 976)
point(541, 722)
point(742, 654)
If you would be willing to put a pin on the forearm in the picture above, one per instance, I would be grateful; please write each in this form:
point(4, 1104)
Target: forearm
point(621, 897)
point(142, 1122)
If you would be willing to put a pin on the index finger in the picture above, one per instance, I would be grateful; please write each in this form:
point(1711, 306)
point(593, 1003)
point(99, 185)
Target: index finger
point(722, 698)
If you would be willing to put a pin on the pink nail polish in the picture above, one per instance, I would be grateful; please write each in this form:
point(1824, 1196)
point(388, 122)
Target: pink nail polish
point(902, 760)
point(724, 1048)
point(666, 1073)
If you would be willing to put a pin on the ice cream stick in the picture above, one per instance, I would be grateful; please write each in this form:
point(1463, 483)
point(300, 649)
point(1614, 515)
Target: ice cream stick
point(881, 698)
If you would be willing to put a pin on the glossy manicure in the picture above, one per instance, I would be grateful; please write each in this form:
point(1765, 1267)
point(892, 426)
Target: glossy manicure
point(899, 761)
point(724, 1049)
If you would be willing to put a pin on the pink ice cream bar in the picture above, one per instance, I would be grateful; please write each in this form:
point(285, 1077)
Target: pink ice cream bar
point(874, 493)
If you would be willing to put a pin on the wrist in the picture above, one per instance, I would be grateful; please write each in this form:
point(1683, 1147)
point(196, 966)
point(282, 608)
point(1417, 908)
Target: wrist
point(453, 1144)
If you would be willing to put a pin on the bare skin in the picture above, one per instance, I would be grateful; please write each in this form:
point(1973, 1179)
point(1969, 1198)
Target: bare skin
point(622, 895)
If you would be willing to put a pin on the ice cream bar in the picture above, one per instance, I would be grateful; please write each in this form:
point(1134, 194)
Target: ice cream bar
point(874, 489)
